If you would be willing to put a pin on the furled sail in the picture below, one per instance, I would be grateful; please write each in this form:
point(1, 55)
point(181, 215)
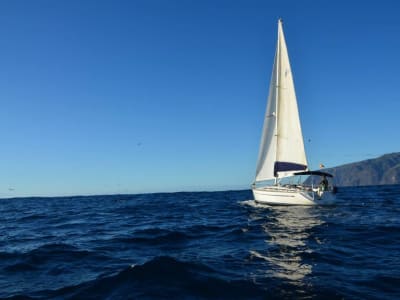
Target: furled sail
point(282, 146)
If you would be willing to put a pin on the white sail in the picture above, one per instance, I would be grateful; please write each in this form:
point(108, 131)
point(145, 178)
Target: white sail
point(282, 147)
point(267, 152)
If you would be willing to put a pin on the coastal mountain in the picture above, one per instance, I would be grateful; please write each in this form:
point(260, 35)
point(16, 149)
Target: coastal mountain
point(378, 171)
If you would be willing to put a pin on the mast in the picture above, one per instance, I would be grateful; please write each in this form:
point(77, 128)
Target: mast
point(277, 86)
point(278, 83)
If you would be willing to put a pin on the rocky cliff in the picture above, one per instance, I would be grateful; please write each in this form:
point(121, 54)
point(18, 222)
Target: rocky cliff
point(382, 170)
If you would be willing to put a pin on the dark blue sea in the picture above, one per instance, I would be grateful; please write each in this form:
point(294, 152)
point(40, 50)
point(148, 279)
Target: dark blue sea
point(203, 245)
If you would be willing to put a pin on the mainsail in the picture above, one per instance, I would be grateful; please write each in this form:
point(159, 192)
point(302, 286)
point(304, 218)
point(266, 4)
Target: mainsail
point(282, 146)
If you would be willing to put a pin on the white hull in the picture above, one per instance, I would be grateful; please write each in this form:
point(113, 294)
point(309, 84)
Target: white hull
point(277, 195)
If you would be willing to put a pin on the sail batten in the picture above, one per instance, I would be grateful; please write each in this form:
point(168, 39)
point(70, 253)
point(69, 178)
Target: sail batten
point(282, 146)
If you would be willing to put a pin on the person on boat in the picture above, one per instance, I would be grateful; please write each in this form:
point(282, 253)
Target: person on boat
point(323, 185)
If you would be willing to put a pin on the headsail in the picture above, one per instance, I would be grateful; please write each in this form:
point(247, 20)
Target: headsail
point(282, 146)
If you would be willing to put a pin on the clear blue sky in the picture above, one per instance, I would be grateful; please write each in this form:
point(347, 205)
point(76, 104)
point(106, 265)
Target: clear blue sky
point(102, 97)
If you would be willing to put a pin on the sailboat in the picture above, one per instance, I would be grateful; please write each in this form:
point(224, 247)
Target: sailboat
point(282, 155)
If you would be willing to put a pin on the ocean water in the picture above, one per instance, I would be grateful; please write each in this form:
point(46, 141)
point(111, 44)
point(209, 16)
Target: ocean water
point(217, 245)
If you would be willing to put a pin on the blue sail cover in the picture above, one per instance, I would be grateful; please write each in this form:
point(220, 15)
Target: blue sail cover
point(282, 166)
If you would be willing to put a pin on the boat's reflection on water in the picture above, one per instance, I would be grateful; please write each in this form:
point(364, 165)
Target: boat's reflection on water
point(288, 235)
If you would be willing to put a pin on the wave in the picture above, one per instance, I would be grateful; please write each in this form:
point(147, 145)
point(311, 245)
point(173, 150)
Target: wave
point(162, 277)
point(47, 255)
point(33, 217)
point(157, 239)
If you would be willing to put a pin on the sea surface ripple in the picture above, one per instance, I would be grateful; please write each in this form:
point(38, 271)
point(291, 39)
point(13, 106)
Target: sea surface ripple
point(217, 245)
